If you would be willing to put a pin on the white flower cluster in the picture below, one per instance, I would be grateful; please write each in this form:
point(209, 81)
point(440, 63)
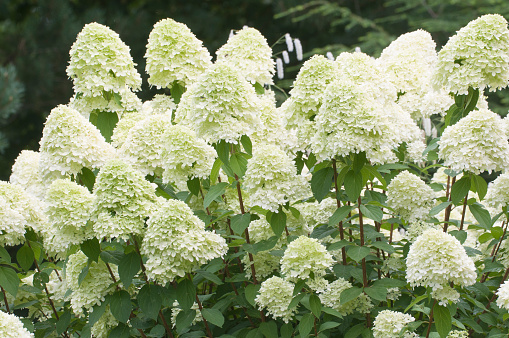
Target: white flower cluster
point(330, 297)
point(123, 199)
point(69, 208)
point(175, 310)
point(304, 257)
point(503, 296)
point(95, 286)
point(276, 295)
point(26, 173)
point(457, 334)
point(477, 143)
point(477, 56)
point(220, 105)
point(174, 54)
point(69, 142)
point(435, 259)
point(176, 242)
point(388, 324)
point(497, 196)
point(271, 179)
point(12, 327)
point(409, 196)
point(315, 213)
point(102, 327)
point(249, 52)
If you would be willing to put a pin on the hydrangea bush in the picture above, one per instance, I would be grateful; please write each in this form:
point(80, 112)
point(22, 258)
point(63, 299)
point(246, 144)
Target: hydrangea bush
point(358, 207)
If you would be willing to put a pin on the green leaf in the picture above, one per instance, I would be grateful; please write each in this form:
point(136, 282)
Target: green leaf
point(377, 292)
point(259, 88)
point(40, 279)
point(438, 208)
point(357, 253)
point(150, 300)
point(238, 163)
point(340, 214)
point(63, 322)
point(349, 294)
point(480, 186)
point(389, 283)
point(87, 178)
point(25, 257)
point(210, 276)
point(316, 305)
point(240, 222)
point(120, 305)
point(194, 186)
point(306, 324)
point(269, 329)
point(223, 151)
point(415, 301)
point(9, 280)
point(185, 319)
point(4, 255)
point(263, 245)
point(373, 212)
point(377, 174)
point(129, 266)
point(460, 189)
point(176, 91)
point(384, 246)
point(471, 102)
point(277, 221)
point(497, 232)
point(106, 122)
point(358, 161)
point(250, 292)
point(295, 300)
point(97, 312)
point(443, 320)
point(338, 245)
point(186, 294)
point(111, 257)
point(328, 325)
point(286, 330)
point(214, 192)
point(246, 143)
point(214, 173)
point(321, 183)
point(91, 248)
point(481, 215)
point(355, 331)
point(213, 316)
point(121, 331)
point(353, 185)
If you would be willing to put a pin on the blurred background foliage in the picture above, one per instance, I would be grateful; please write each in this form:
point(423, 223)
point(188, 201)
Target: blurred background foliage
point(36, 35)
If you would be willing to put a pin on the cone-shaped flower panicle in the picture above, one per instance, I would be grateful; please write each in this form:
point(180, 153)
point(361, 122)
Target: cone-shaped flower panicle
point(12, 327)
point(176, 242)
point(388, 324)
point(477, 56)
point(69, 142)
point(275, 296)
point(435, 259)
point(249, 52)
point(26, 173)
point(221, 105)
point(476, 143)
point(101, 62)
point(503, 296)
point(303, 257)
point(174, 54)
point(271, 179)
point(409, 196)
point(123, 199)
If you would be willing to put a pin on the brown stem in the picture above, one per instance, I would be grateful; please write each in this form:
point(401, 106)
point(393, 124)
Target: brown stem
point(449, 207)
point(390, 236)
point(5, 300)
point(209, 333)
point(338, 203)
point(494, 254)
point(463, 211)
point(430, 318)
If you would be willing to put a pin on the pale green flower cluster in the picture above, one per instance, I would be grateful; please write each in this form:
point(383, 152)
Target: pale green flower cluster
point(174, 54)
point(477, 56)
point(305, 257)
point(248, 51)
point(477, 143)
point(69, 208)
point(124, 126)
point(503, 296)
point(123, 199)
point(393, 294)
point(330, 297)
point(102, 327)
point(445, 294)
point(18, 210)
point(176, 242)
point(95, 286)
point(416, 228)
point(220, 105)
point(435, 259)
point(409, 196)
point(315, 213)
point(124, 103)
point(457, 334)
point(160, 104)
point(388, 324)
point(69, 142)
point(26, 173)
point(12, 327)
point(271, 179)
point(497, 196)
point(175, 310)
point(275, 296)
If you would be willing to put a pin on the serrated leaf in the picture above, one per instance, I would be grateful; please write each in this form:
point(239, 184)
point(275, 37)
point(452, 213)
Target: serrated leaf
point(328, 325)
point(210, 276)
point(111, 257)
point(295, 300)
point(91, 248)
point(240, 222)
point(106, 122)
point(372, 211)
point(250, 292)
point(349, 294)
point(357, 253)
point(213, 316)
point(150, 300)
point(277, 221)
point(443, 320)
point(377, 292)
point(194, 186)
point(9, 280)
point(481, 215)
point(316, 305)
point(460, 189)
point(120, 305)
point(214, 192)
point(247, 144)
point(25, 257)
point(321, 183)
point(186, 294)
point(353, 185)
point(480, 185)
point(340, 214)
point(306, 324)
point(129, 266)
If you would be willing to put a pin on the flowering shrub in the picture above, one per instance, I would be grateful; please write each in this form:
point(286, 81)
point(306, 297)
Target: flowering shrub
point(357, 207)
